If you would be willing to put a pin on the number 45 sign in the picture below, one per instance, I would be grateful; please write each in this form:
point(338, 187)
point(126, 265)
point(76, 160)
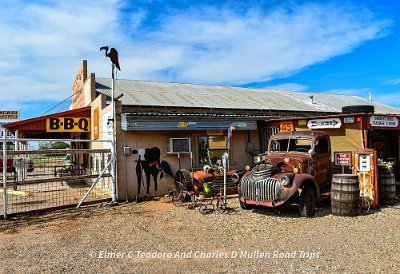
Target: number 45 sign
point(286, 126)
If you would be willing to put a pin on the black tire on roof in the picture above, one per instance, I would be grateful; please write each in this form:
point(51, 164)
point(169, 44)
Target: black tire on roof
point(358, 109)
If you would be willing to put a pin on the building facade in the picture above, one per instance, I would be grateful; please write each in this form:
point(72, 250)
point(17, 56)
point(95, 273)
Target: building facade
point(171, 126)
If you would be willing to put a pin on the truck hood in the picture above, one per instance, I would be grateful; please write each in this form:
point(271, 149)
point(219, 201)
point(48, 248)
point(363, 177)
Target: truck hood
point(286, 161)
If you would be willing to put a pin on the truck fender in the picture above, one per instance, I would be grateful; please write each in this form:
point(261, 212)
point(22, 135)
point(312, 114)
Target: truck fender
point(301, 180)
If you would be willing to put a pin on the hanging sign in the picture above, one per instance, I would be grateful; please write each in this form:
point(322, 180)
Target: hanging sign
point(286, 126)
point(383, 121)
point(324, 123)
point(67, 124)
point(343, 158)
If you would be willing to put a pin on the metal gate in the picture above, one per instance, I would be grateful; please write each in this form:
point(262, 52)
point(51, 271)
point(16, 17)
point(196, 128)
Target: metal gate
point(266, 133)
point(41, 174)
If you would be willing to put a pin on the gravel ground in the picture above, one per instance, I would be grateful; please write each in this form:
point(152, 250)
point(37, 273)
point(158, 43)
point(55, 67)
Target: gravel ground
point(157, 237)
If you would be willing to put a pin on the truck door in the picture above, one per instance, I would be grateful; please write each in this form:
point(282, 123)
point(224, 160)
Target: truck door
point(323, 161)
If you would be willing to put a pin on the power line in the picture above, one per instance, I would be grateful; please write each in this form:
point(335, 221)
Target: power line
point(61, 102)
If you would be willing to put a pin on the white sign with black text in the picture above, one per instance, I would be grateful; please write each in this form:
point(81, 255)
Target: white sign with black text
point(324, 123)
point(348, 120)
point(383, 121)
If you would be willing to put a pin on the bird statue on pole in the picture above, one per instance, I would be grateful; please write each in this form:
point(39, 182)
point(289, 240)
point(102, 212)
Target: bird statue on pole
point(113, 55)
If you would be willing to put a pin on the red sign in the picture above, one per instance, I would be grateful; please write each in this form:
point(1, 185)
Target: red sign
point(343, 158)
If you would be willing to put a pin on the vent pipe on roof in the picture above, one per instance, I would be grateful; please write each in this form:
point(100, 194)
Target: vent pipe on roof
point(370, 95)
point(312, 99)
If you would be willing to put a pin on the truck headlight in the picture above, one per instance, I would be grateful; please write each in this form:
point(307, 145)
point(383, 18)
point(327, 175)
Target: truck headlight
point(235, 177)
point(285, 181)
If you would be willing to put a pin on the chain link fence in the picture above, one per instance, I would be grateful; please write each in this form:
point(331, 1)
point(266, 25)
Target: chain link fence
point(40, 175)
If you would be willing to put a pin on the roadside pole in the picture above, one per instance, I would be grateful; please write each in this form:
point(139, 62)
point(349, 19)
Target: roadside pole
point(4, 173)
point(114, 142)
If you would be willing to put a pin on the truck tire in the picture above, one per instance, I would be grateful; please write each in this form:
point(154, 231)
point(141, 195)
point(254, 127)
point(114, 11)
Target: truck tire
point(358, 109)
point(307, 202)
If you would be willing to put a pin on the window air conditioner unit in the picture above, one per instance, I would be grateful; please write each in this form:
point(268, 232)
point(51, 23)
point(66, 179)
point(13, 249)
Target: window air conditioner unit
point(178, 145)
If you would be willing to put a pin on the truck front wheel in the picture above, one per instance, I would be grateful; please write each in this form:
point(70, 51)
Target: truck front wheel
point(307, 202)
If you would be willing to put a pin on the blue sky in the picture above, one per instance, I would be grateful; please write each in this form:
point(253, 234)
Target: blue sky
point(346, 47)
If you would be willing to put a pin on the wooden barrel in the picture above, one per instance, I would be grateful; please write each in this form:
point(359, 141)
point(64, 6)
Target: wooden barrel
point(345, 192)
point(387, 187)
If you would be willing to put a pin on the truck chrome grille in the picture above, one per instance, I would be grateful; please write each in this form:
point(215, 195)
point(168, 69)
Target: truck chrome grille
point(259, 191)
point(262, 174)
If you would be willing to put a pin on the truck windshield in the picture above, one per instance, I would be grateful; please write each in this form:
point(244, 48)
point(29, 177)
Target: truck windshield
point(286, 145)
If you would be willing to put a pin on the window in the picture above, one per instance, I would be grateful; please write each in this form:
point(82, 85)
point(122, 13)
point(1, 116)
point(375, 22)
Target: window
point(211, 149)
point(178, 145)
point(286, 145)
point(322, 146)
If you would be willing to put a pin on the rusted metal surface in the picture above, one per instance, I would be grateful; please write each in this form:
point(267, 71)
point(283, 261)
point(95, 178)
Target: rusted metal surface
point(368, 180)
point(265, 185)
point(193, 181)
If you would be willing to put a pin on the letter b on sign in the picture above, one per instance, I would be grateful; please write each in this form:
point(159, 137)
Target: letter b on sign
point(54, 124)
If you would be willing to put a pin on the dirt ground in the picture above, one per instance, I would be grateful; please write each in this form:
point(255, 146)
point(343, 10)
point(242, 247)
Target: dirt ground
point(158, 237)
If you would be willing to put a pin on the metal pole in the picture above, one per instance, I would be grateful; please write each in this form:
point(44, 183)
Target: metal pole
point(114, 146)
point(224, 164)
point(5, 173)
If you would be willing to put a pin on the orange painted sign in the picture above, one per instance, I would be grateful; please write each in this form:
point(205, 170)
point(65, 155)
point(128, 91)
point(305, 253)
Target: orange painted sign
point(96, 134)
point(286, 126)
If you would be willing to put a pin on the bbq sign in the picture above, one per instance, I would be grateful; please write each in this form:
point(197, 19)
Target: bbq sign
point(67, 124)
point(343, 158)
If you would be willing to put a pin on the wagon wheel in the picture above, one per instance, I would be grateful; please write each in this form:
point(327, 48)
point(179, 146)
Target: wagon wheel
point(180, 194)
point(183, 177)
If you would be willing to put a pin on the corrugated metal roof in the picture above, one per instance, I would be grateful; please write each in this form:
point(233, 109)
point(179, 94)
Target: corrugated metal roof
point(149, 93)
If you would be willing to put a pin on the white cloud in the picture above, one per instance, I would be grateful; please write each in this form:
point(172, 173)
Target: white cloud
point(221, 46)
point(392, 99)
point(289, 86)
point(362, 92)
point(45, 43)
point(395, 81)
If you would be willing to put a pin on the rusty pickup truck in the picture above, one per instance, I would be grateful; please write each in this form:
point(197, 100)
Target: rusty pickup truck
point(297, 166)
